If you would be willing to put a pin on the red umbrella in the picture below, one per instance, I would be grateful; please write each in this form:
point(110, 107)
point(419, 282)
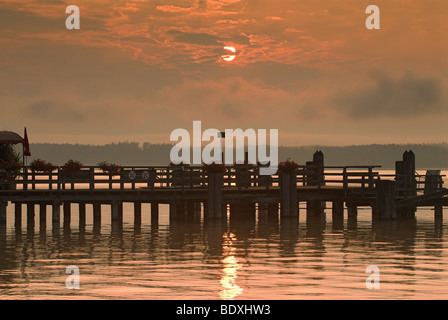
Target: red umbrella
point(9, 137)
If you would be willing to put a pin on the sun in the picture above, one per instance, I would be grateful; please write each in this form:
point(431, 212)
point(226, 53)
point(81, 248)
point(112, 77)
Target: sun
point(230, 55)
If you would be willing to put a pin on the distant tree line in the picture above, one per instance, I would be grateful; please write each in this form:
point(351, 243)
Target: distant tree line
point(131, 153)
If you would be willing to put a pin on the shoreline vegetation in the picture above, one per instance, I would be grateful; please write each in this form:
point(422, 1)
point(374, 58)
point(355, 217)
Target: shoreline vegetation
point(428, 156)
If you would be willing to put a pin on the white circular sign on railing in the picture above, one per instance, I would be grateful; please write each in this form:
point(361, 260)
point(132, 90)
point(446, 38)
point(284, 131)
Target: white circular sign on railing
point(145, 175)
point(132, 175)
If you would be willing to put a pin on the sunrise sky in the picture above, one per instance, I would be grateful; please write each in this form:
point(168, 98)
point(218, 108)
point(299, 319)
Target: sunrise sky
point(136, 70)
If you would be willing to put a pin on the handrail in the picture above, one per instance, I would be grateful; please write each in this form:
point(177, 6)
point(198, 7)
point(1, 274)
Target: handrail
point(192, 177)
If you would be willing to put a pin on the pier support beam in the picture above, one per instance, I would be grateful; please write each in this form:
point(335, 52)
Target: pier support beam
point(137, 217)
point(96, 212)
point(96, 217)
point(173, 210)
point(116, 210)
point(154, 213)
point(3, 206)
point(352, 216)
point(42, 217)
point(30, 212)
point(82, 216)
point(214, 196)
point(56, 213)
point(288, 188)
point(116, 216)
point(338, 215)
point(438, 212)
point(67, 214)
point(18, 216)
point(385, 200)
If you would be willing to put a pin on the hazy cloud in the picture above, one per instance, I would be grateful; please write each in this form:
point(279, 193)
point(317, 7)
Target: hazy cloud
point(406, 96)
point(49, 110)
point(204, 39)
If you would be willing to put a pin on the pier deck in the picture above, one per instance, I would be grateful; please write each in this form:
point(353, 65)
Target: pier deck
point(240, 187)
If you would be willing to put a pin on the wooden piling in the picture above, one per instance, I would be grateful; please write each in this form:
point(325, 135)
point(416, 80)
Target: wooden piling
point(214, 195)
point(438, 212)
point(115, 210)
point(18, 216)
point(96, 212)
point(67, 214)
point(288, 190)
point(137, 213)
point(3, 206)
point(173, 210)
point(154, 213)
point(42, 216)
point(56, 213)
point(352, 216)
point(30, 212)
point(386, 200)
point(338, 215)
point(82, 216)
point(406, 184)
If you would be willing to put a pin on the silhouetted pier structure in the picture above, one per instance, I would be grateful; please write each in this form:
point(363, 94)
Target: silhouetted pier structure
point(238, 193)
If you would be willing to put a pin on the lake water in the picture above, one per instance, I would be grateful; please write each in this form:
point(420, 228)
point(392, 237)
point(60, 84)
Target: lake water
point(261, 259)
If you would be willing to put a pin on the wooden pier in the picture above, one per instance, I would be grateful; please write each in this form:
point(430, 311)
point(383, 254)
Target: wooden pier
point(187, 190)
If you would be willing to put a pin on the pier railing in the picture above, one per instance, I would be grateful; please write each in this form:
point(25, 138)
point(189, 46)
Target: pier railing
point(357, 179)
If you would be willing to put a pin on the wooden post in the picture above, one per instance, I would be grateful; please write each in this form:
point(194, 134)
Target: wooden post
point(318, 160)
point(67, 214)
point(438, 212)
point(338, 214)
point(154, 213)
point(115, 210)
point(137, 213)
point(374, 212)
point(405, 175)
point(386, 200)
point(30, 212)
point(433, 181)
point(214, 195)
point(92, 178)
point(56, 213)
point(25, 179)
point(173, 208)
point(43, 216)
point(33, 180)
point(288, 190)
point(82, 216)
point(352, 216)
point(18, 216)
point(285, 205)
point(3, 205)
point(96, 213)
point(50, 181)
point(352, 211)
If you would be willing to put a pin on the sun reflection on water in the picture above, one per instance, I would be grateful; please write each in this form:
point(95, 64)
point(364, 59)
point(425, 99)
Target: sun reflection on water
point(230, 290)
